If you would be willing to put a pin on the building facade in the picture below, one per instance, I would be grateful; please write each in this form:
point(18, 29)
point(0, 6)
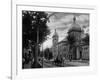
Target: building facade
point(76, 50)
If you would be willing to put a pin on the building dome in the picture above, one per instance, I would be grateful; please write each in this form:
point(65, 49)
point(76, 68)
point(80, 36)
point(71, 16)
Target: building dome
point(75, 27)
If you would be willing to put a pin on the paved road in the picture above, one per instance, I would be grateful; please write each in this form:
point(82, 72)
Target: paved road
point(48, 64)
point(67, 63)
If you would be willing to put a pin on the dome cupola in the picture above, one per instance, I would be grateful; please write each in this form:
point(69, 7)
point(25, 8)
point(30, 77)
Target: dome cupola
point(75, 27)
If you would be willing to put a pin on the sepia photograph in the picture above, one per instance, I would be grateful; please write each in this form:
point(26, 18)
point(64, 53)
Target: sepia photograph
point(55, 39)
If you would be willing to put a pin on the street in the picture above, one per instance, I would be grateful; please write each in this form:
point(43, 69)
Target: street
point(67, 63)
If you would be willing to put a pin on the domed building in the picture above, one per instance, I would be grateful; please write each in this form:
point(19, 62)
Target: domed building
point(75, 34)
point(78, 48)
point(75, 30)
point(73, 47)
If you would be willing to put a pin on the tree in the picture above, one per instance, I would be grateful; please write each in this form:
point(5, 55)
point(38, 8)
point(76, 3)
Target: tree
point(33, 21)
point(34, 28)
point(46, 53)
point(50, 54)
point(86, 39)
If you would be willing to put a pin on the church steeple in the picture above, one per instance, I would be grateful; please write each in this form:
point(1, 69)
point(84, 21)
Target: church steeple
point(55, 38)
point(55, 44)
point(74, 19)
point(55, 32)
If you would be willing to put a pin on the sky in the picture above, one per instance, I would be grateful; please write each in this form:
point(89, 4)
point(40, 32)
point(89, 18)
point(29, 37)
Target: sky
point(62, 23)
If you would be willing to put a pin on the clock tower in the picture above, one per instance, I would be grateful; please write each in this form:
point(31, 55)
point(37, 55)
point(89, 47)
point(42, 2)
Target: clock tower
point(55, 44)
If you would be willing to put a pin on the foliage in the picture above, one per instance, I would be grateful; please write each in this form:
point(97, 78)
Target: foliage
point(86, 39)
point(48, 54)
point(34, 22)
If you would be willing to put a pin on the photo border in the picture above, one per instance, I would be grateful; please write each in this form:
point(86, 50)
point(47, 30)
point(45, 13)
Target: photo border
point(14, 70)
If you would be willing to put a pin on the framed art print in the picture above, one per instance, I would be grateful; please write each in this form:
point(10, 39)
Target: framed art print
point(52, 40)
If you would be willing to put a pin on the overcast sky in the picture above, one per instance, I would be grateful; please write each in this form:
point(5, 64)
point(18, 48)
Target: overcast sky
point(62, 23)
